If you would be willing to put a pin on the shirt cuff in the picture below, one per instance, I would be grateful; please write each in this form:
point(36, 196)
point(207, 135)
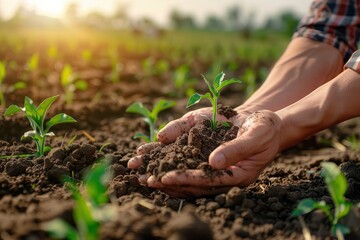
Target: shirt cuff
point(354, 62)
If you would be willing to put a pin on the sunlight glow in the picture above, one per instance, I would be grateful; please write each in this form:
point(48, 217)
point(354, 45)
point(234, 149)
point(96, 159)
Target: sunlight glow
point(50, 8)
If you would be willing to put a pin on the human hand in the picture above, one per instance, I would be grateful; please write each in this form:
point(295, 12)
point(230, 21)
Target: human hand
point(183, 125)
point(240, 161)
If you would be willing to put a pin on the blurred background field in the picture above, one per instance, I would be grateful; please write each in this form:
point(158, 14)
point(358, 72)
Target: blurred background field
point(66, 47)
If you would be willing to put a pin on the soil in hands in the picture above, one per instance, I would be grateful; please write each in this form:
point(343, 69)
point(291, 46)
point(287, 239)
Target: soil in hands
point(190, 150)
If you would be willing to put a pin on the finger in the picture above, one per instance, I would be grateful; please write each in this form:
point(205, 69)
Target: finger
point(185, 191)
point(232, 152)
point(176, 128)
point(254, 136)
point(135, 162)
point(198, 178)
point(147, 147)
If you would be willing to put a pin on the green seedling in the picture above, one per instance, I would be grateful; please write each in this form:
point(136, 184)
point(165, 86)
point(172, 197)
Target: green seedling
point(215, 88)
point(2, 77)
point(352, 142)
point(249, 80)
point(183, 83)
point(86, 56)
point(70, 83)
point(114, 75)
point(90, 206)
point(36, 117)
point(53, 52)
point(336, 185)
point(33, 62)
point(150, 117)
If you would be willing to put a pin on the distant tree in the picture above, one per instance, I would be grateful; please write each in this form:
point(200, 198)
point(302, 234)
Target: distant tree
point(248, 26)
point(285, 22)
point(182, 21)
point(289, 22)
point(18, 16)
point(71, 11)
point(233, 17)
point(96, 19)
point(214, 23)
point(120, 18)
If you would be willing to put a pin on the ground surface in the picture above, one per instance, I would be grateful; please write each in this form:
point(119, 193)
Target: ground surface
point(32, 193)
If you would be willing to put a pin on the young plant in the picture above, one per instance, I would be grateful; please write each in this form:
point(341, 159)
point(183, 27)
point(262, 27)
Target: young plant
point(2, 77)
point(36, 117)
point(150, 117)
point(183, 83)
point(337, 185)
point(70, 83)
point(215, 88)
point(33, 62)
point(352, 142)
point(89, 210)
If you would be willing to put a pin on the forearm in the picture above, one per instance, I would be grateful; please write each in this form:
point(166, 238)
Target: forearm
point(334, 102)
point(304, 66)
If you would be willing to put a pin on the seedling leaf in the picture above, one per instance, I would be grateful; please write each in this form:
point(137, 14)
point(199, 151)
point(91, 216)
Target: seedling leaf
point(81, 85)
point(66, 75)
point(12, 109)
point(307, 205)
point(57, 119)
point(95, 184)
point(226, 83)
point(218, 79)
point(19, 85)
point(44, 106)
point(2, 72)
point(30, 109)
point(196, 97)
point(142, 136)
point(28, 134)
point(161, 105)
point(139, 108)
point(335, 182)
point(210, 86)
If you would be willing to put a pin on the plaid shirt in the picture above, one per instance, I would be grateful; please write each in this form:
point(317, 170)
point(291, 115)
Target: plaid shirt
point(337, 23)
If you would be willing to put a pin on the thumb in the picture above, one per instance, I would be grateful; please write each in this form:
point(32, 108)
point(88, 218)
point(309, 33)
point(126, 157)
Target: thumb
point(255, 136)
point(230, 153)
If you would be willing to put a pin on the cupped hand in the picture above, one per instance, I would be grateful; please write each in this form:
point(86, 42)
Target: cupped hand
point(239, 162)
point(180, 126)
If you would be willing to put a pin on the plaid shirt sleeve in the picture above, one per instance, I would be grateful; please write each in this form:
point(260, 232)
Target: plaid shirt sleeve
point(335, 22)
point(354, 61)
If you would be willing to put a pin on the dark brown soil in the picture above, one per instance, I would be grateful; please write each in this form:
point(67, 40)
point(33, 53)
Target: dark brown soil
point(189, 151)
point(32, 193)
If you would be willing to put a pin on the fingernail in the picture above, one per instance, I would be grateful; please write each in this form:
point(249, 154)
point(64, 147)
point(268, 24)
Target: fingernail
point(218, 160)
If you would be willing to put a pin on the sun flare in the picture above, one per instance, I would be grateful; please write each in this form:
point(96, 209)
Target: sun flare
point(50, 8)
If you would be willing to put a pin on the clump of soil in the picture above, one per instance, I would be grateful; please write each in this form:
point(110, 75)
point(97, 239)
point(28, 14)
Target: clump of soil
point(190, 150)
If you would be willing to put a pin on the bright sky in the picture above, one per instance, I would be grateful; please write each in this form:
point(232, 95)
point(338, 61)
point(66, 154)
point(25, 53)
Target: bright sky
point(159, 9)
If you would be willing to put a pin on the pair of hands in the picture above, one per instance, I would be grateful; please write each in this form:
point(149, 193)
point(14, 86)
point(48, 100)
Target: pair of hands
point(246, 156)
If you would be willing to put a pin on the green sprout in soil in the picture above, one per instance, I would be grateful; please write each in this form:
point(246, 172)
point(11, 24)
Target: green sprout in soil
point(184, 84)
point(33, 62)
point(337, 185)
point(2, 77)
point(70, 84)
point(90, 208)
point(215, 88)
point(150, 117)
point(353, 142)
point(36, 117)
